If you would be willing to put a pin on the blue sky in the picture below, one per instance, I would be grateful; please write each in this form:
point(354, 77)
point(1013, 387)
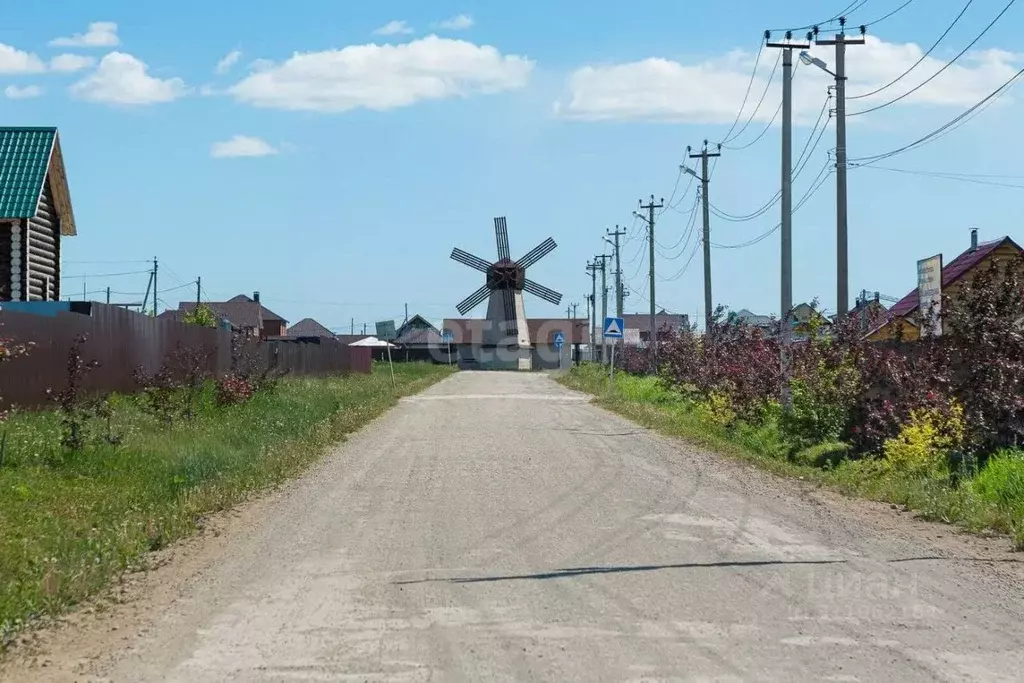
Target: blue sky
point(334, 174)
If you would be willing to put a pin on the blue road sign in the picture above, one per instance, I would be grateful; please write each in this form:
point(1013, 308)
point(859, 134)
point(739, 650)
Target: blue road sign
point(613, 328)
point(447, 337)
point(559, 340)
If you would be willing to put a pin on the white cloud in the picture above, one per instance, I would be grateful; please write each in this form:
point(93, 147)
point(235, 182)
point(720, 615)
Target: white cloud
point(457, 23)
point(241, 146)
point(383, 77)
point(123, 79)
point(28, 92)
point(70, 63)
point(712, 91)
point(229, 60)
point(394, 28)
point(100, 34)
point(15, 61)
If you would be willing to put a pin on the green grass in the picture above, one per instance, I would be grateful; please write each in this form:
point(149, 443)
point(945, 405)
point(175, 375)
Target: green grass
point(69, 524)
point(992, 500)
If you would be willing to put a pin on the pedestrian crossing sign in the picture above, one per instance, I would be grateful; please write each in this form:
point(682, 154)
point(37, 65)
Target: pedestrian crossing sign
point(613, 328)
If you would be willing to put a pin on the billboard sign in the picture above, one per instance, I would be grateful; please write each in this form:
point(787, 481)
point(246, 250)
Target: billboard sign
point(386, 330)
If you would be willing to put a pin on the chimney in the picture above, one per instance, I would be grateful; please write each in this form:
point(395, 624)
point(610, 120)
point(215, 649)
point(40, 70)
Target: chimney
point(877, 297)
point(974, 239)
point(256, 297)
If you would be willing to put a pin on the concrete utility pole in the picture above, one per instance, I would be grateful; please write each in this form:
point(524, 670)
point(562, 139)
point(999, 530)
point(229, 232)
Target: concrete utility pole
point(592, 269)
point(574, 307)
point(618, 269)
point(604, 296)
point(649, 218)
point(199, 290)
point(786, 289)
point(842, 255)
point(108, 295)
point(704, 155)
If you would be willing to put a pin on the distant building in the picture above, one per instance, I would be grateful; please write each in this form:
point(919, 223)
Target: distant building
point(307, 327)
point(673, 323)
point(467, 335)
point(244, 314)
point(900, 320)
point(746, 317)
point(35, 214)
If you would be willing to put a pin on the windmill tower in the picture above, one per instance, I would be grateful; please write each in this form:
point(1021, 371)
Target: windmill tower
point(504, 286)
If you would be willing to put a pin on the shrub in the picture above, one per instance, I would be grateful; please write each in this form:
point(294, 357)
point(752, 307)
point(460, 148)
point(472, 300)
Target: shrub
point(828, 454)
point(75, 410)
point(984, 341)
point(201, 315)
point(232, 390)
point(9, 350)
point(925, 442)
point(174, 391)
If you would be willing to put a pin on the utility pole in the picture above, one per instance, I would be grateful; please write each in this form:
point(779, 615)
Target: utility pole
point(199, 291)
point(406, 314)
point(352, 326)
point(704, 155)
point(574, 307)
point(649, 218)
point(618, 270)
point(604, 297)
point(108, 295)
point(842, 255)
point(592, 269)
point(155, 266)
point(364, 328)
point(786, 289)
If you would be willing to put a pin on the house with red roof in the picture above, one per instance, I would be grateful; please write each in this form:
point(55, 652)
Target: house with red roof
point(905, 313)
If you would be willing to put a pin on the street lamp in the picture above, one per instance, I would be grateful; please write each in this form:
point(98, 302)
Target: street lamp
point(810, 60)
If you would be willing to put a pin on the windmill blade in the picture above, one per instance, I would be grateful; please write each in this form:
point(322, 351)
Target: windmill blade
point(509, 300)
point(465, 258)
point(473, 300)
point(543, 292)
point(501, 234)
point(537, 253)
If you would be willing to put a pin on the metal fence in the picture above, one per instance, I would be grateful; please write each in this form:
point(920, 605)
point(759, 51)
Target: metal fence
point(123, 341)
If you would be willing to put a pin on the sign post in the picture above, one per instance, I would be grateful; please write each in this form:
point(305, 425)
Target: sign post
point(386, 332)
point(447, 336)
point(929, 292)
point(613, 330)
point(559, 343)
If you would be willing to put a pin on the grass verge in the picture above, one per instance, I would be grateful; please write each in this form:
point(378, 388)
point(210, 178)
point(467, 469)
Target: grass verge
point(69, 523)
point(993, 500)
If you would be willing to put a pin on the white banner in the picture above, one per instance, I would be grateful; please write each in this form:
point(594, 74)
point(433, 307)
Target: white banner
point(929, 294)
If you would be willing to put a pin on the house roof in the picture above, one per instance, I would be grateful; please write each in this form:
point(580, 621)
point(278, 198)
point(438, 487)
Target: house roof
point(751, 318)
point(542, 330)
point(241, 314)
point(642, 321)
point(349, 338)
point(265, 313)
point(951, 272)
point(417, 331)
point(307, 327)
point(26, 156)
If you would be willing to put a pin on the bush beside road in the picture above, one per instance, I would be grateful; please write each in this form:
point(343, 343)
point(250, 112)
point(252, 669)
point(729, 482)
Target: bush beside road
point(911, 470)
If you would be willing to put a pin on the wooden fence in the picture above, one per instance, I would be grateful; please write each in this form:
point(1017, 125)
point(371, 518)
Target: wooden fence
point(123, 341)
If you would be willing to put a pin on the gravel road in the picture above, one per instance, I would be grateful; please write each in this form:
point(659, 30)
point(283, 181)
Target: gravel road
point(499, 527)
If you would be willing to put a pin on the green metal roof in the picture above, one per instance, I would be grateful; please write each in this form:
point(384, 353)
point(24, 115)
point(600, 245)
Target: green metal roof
point(24, 160)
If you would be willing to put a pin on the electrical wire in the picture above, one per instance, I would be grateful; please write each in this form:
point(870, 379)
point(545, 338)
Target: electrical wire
point(918, 62)
point(88, 275)
point(764, 94)
point(883, 18)
point(801, 163)
point(816, 184)
point(937, 73)
point(962, 177)
point(852, 7)
point(107, 263)
point(750, 83)
point(949, 126)
point(678, 274)
point(685, 234)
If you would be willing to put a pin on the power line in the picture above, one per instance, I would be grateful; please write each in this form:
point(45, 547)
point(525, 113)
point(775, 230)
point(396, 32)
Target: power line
point(962, 177)
point(764, 94)
point(918, 62)
point(816, 184)
point(947, 127)
point(685, 235)
point(852, 7)
point(750, 83)
point(883, 18)
point(937, 73)
point(88, 275)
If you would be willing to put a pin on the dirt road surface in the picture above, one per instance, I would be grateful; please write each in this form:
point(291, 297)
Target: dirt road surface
point(498, 527)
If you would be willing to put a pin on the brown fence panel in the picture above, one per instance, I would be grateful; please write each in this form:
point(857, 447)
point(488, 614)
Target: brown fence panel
point(123, 341)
